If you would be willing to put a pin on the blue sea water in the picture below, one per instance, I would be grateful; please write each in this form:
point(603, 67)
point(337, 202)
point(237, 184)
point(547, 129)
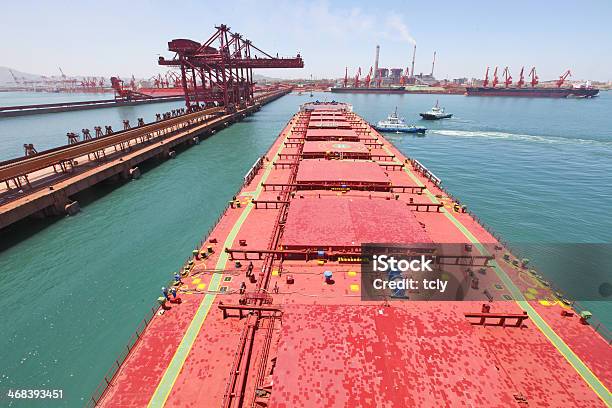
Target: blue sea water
point(49, 130)
point(535, 170)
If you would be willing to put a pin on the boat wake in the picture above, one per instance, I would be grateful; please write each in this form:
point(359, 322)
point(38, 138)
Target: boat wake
point(519, 137)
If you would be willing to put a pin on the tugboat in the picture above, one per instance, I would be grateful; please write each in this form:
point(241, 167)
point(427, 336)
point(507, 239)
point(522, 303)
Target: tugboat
point(397, 125)
point(435, 113)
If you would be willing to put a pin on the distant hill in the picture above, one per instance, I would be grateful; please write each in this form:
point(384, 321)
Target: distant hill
point(7, 79)
point(262, 78)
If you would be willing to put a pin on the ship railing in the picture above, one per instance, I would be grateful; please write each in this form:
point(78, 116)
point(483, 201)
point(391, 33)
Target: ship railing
point(421, 168)
point(594, 322)
point(597, 324)
point(253, 171)
point(104, 385)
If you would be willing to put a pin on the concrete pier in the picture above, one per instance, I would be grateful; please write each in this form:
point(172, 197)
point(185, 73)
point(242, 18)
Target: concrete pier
point(44, 191)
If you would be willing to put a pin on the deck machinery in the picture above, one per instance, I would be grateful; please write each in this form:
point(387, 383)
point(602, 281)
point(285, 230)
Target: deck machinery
point(220, 71)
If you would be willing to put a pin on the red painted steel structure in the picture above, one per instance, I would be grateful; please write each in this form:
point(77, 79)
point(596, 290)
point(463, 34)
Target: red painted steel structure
point(220, 70)
point(260, 324)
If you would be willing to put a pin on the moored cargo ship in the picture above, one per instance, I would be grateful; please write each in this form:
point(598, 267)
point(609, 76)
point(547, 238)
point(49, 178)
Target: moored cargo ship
point(536, 92)
point(368, 90)
point(272, 314)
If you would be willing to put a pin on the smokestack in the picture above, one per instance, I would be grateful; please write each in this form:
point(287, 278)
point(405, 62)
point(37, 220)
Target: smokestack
point(433, 64)
point(413, 56)
point(376, 61)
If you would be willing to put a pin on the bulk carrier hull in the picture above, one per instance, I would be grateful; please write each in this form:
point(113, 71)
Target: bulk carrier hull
point(533, 92)
point(365, 90)
point(271, 311)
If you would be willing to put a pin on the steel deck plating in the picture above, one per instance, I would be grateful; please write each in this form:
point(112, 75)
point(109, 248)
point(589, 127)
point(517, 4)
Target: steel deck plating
point(289, 339)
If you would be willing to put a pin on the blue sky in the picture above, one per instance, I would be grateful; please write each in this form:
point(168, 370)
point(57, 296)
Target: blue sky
point(108, 38)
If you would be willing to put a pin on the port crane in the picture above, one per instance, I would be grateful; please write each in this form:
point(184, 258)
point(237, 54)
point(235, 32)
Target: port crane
point(125, 93)
point(495, 78)
point(221, 68)
point(356, 80)
point(14, 76)
point(507, 77)
point(562, 78)
point(405, 76)
point(521, 80)
point(485, 83)
point(534, 77)
point(368, 78)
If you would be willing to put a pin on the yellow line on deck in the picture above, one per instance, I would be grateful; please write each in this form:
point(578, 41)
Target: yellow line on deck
point(581, 368)
point(164, 388)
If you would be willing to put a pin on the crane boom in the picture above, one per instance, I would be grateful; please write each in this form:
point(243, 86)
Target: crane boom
point(14, 76)
point(356, 82)
point(508, 77)
point(485, 83)
point(534, 77)
point(219, 71)
point(562, 78)
point(521, 80)
point(495, 78)
point(368, 78)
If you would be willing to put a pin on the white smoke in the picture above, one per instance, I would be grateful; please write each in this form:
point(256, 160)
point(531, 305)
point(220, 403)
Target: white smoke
point(400, 29)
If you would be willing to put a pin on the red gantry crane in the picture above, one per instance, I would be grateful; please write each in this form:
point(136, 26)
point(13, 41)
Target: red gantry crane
point(562, 78)
point(221, 69)
point(126, 93)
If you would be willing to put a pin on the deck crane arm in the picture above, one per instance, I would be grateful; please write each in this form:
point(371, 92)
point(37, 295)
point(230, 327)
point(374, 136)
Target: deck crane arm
point(485, 83)
point(534, 77)
point(404, 77)
point(495, 78)
point(356, 82)
point(368, 78)
point(14, 76)
point(521, 80)
point(562, 78)
point(507, 77)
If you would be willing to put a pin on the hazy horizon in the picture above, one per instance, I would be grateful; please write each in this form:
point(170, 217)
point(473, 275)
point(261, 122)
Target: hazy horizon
point(126, 38)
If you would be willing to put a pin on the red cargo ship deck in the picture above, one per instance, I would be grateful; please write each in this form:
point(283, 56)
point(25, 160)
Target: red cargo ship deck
point(280, 335)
